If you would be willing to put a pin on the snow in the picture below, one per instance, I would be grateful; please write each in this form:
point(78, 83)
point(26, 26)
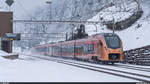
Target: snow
point(3, 10)
point(36, 70)
point(132, 37)
point(113, 11)
point(3, 53)
point(46, 71)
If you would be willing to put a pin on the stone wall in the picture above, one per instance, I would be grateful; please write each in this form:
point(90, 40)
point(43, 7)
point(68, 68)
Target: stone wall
point(138, 56)
point(125, 23)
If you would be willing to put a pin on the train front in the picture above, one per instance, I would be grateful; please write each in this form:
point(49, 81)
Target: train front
point(113, 48)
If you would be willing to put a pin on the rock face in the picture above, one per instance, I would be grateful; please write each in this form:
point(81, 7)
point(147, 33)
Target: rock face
point(125, 23)
point(138, 56)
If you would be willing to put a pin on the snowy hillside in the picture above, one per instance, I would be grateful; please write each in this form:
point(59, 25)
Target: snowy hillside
point(135, 36)
point(108, 13)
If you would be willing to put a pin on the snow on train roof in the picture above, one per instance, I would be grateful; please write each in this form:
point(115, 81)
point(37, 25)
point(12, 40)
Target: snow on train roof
point(89, 38)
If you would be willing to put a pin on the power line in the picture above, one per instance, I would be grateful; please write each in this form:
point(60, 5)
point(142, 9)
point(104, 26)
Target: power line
point(119, 11)
point(55, 21)
point(42, 33)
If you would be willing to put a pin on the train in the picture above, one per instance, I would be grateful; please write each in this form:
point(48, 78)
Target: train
point(104, 47)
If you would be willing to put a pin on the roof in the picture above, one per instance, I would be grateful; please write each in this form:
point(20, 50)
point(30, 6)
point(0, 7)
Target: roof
point(93, 37)
point(4, 10)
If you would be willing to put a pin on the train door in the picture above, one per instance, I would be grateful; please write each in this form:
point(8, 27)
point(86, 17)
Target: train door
point(78, 51)
point(98, 49)
point(101, 50)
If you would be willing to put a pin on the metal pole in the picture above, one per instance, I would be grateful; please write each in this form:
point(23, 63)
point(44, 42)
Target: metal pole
point(113, 25)
point(72, 34)
point(66, 36)
point(138, 3)
point(96, 28)
point(74, 49)
point(49, 2)
point(61, 49)
point(11, 44)
point(50, 11)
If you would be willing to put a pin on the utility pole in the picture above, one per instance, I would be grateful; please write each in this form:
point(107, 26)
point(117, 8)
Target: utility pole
point(50, 14)
point(113, 25)
point(49, 2)
point(66, 36)
point(95, 27)
point(72, 34)
point(138, 3)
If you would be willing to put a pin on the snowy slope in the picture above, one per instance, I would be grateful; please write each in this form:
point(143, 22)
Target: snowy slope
point(113, 11)
point(2, 53)
point(132, 37)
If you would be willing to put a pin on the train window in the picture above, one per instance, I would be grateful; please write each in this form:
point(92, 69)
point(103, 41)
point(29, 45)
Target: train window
point(113, 42)
point(49, 50)
point(78, 49)
point(91, 48)
point(101, 43)
point(71, 48)
point(85, 48)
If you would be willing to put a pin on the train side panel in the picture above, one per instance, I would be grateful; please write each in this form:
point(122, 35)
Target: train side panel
point(94, 48)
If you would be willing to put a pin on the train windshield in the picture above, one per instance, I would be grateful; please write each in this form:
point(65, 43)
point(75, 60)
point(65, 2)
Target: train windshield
point(113, 41)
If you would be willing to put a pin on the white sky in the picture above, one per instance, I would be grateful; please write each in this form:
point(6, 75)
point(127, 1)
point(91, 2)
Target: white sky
point(23, 7)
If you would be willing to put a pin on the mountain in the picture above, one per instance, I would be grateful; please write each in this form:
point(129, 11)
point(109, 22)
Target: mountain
point(136, 35)
point(92, 10)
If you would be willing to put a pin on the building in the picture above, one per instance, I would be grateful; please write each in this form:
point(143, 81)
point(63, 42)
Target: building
point(6, 26)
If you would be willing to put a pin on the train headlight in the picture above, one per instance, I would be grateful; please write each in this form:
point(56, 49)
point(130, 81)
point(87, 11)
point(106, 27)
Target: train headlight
point(121, 49)
point(106, 48)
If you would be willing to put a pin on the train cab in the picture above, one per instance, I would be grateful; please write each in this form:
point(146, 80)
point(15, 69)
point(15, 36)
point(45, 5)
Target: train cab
point(110, 48)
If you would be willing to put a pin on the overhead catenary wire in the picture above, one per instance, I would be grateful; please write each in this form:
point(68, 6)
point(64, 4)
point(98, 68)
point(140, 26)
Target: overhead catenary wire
point(55, 22)
point(59, 21)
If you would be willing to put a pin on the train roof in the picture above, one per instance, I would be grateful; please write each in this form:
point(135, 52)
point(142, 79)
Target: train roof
point(88, 38)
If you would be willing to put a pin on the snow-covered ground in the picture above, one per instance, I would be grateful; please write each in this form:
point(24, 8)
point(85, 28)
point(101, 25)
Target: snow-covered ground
point(2, 53)
point(132, 37)
point(37, 70)
point(46, 71)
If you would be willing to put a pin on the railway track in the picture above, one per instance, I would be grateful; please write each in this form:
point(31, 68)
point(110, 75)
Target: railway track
point(124, 74)
point(133, 67)
point(122, 66)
